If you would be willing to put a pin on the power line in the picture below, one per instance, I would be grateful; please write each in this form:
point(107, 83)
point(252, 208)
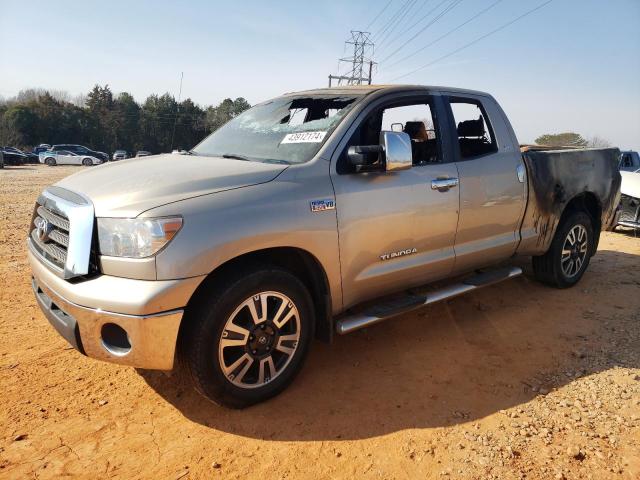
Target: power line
point(447, 33)
point(398, 22)
point(379, 33)
point(378, 15)
point(424, 4)
point(473, 42)
point(450, 7)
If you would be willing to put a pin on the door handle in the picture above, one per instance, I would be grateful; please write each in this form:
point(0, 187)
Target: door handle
point(443, 184)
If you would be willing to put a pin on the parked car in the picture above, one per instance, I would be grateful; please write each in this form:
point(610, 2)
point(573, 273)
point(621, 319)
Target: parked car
point(13, 156)
point(629, 161)
point(28, 157)
point(43, 147)
point(80, 150)
point(119, 155)
point(628, 214)
point(303, 217)
point(143, 153)
point(64, 157)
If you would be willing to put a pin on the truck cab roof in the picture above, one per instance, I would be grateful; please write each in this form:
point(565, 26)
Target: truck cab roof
point(367, 89)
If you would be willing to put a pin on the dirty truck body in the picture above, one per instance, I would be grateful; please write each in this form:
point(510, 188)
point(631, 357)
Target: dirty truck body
point(309, 214)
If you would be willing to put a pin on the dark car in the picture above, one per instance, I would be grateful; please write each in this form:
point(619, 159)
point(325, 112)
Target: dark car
point(13, 156)
point(29, 157)
point(80, 150)
point(43, 147)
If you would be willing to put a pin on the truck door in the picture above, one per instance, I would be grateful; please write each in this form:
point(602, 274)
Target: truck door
point(492, 182)
point(396, 229)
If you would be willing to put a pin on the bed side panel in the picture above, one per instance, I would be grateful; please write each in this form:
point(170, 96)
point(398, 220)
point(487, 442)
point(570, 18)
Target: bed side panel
point(554, 179)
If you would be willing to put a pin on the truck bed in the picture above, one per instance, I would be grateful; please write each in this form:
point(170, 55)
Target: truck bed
point(555, 177)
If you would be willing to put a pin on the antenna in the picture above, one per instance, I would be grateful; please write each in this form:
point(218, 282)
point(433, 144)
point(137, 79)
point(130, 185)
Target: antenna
point(362, 55)
point(175, 121)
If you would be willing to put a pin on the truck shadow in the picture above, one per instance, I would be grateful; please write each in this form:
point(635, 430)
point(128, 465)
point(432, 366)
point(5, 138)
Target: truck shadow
point(451, 363)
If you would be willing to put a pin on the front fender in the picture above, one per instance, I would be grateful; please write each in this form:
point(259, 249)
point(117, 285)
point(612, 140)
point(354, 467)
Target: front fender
point(222, 226)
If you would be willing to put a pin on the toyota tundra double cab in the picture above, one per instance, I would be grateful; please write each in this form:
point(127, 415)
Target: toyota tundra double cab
point(314, 213)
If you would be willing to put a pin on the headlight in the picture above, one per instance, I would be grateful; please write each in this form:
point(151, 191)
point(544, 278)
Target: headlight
point(135, 237)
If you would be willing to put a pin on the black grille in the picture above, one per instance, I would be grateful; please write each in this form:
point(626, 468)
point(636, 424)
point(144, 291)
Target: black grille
point(51, 240)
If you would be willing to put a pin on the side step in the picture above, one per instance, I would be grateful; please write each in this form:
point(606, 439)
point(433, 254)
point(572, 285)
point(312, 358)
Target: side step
point(398, 306)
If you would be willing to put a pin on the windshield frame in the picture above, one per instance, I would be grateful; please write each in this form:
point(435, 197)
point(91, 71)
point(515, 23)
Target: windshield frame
point(357, 96)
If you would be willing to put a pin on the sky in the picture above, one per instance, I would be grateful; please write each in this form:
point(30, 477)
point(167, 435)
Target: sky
point(572, 65)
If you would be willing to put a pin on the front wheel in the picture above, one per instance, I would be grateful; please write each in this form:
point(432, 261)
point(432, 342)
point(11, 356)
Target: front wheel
point(51, 162)
point(247, 341)
point(568, 256)
point(87, 162)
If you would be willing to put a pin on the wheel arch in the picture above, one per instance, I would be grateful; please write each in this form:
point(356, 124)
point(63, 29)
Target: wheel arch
point(589, 203)
point(299, 262)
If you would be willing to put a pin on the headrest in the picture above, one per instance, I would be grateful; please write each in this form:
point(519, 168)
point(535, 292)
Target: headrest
point(413, 128)
point(471, 128)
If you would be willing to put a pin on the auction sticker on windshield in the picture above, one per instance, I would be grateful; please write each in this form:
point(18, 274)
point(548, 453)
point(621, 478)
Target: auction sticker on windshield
point(304, 137)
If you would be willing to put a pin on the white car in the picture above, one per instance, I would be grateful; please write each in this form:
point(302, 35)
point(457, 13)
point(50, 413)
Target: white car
point(65, 157)
point(119, 155)
point(629, 211)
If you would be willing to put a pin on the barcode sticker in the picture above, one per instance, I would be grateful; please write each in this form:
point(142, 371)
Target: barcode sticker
point(304, 137)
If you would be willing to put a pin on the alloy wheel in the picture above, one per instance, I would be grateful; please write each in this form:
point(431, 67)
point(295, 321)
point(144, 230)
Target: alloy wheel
point(259, 339)
point(574, 251)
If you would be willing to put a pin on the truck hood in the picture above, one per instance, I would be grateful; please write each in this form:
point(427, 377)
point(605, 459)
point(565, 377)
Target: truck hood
point(129, 187)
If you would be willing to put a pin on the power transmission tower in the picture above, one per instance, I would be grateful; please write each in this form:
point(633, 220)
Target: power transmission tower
point(359, 63)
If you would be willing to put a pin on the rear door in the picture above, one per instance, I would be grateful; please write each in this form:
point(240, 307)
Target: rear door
point(492, 182)
point(395, 230)
point(66, 157)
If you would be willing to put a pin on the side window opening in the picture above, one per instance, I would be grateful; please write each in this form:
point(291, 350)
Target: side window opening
point(416, 120)
point(475, 135)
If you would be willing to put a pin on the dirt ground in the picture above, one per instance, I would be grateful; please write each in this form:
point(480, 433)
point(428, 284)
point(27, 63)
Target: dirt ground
point(515, 381)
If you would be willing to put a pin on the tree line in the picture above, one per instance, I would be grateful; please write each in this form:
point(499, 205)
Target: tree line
point(104, 121)
point(571, 139)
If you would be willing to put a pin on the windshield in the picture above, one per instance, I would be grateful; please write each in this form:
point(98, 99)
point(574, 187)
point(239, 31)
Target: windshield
point(283, 130)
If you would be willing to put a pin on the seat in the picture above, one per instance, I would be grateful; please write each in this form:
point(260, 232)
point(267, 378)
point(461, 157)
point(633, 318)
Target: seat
point(422, 148)
point(472, 138)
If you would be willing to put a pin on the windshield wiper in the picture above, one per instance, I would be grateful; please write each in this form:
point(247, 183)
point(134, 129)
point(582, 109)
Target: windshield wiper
point(274, 160)
point(235, 156)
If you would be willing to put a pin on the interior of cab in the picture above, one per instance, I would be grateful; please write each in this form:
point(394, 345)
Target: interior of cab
point(424, 146)
point(474, 138)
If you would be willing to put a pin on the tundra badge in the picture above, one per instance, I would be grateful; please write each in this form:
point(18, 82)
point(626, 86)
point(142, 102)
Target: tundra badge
point(401, 253)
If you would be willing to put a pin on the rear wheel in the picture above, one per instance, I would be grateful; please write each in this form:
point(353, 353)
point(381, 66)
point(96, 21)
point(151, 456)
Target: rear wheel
point(50, 161)
point(247, 341)
point(87, 162)
point(568, 256)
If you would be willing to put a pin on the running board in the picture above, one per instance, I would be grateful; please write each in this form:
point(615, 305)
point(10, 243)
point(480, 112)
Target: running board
point(393, 308)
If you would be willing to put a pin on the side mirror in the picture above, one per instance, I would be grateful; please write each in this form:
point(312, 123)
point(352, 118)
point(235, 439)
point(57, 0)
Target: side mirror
point(397, 148)
point(394, 150)
point(364, 155)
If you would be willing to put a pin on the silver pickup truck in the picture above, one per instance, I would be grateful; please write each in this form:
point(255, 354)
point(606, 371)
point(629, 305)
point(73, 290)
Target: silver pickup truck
point(314, 213)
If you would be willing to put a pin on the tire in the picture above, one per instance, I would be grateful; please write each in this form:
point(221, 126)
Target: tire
point(87, 162)
point(50, 161)
point(253, 365)
point(565, 262)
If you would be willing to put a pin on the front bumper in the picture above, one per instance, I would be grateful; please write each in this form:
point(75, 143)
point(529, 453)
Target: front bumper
point(148, 339)
point(629, 212)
